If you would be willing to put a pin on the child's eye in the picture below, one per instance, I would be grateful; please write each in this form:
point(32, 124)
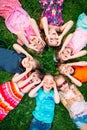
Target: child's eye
point(51, 39)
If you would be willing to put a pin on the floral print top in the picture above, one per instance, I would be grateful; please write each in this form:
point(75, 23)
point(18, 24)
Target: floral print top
point(52, 9)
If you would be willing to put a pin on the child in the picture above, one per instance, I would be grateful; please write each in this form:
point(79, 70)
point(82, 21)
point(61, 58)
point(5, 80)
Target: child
point(45, 103)
point(13, 91)
point(73, 101)
point(76, 71)
point(74, 43)
point(52, 22)
point(16, 61)
point(20, 23)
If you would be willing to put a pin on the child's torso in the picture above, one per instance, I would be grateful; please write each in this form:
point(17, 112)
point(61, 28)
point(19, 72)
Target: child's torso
point(80, 73)
point(78, 40)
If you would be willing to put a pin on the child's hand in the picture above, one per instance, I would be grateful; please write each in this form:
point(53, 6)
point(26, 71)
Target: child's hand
point(41, 41)
point(59, 40)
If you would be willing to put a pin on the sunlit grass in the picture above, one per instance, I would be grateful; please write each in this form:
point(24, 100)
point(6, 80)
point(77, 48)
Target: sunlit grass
point(20, 118)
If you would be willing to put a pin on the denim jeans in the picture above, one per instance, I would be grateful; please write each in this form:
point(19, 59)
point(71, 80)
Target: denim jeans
point(80, 121)
point(39, 125)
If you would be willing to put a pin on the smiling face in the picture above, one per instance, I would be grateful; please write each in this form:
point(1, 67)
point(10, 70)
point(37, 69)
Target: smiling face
point(53, 38)
point(63, 68)
point(48, 83)
point(65, 54)
point(62, 84)
point(35, 78)
point(36, 44)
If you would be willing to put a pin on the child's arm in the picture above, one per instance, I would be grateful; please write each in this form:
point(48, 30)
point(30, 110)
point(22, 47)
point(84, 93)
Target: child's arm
point(20, 49)
point(18, 77)
point(23, 83)
point(74, 80)
point(68, 38)
point(56, 95)
point(64, 29)
point(44, 25)
point(22, 37)
point(79, 54)
point(35, 27)
point(33, 92)
point(80, 63)
point(28, 87)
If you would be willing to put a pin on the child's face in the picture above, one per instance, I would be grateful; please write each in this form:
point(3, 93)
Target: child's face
point(65, 54)
point(35, 78)
point(36, 44)
point(66, 69)
point(62, 84)
point(28, 62)
point(53, 38)
point(48, 83)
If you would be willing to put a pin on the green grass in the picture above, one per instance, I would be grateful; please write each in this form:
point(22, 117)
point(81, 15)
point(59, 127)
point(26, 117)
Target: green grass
point(20, 118)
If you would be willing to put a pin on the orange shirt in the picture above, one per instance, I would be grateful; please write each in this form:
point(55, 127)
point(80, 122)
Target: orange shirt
point(80, 73)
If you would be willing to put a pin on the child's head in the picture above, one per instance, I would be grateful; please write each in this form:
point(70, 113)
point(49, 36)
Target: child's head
point(29, 62)
point(53, 36)
point(64, 68)
point(35, 77)
point(61, 83)
point(65, 54)
point(48, 82)
point(36, 44)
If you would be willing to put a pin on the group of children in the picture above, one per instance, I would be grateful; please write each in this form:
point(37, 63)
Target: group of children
point(47, 89)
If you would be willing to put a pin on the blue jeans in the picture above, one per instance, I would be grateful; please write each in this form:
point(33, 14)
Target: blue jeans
point(80, 121)
point(39, 125)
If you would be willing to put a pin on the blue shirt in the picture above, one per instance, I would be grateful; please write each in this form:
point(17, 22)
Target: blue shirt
point(45, 105)
point(10, 61)
point(82, 21)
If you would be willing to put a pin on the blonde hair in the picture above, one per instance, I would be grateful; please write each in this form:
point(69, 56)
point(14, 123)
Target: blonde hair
point(59, 76)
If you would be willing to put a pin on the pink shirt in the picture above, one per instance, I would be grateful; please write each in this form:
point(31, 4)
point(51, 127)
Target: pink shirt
point(16, 18)
point(7, 6)
point(78, 41)
point(18, 21)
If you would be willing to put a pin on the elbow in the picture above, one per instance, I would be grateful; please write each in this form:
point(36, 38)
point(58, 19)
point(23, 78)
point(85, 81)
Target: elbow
point(57, 101)
point(79, 84)
point(71, 22)
point(30, 95)
point(32, 20)
point(85, 52)
point(14, 45)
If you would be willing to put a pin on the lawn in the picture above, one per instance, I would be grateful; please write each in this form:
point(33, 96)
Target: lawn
point(20, 118)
